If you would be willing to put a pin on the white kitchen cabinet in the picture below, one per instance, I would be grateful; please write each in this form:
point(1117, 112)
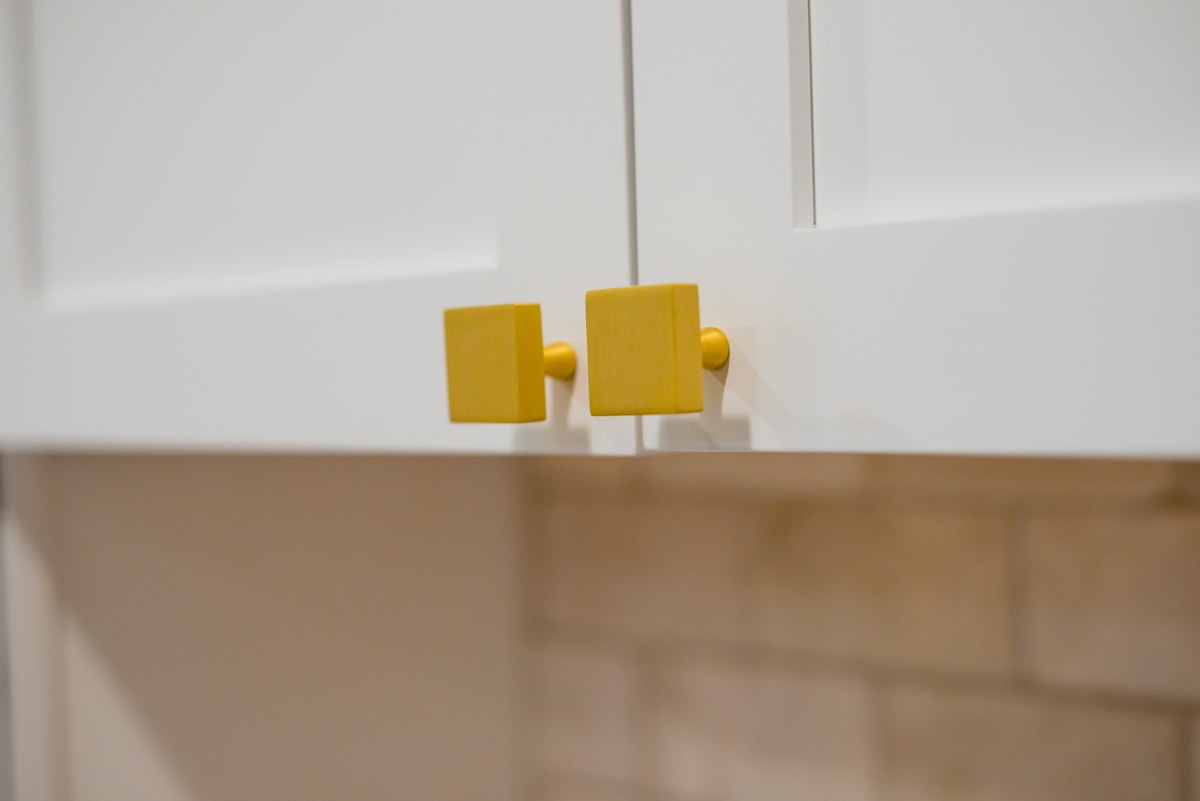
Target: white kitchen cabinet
point(926, 227)
point(236, 225)
point(978, 233)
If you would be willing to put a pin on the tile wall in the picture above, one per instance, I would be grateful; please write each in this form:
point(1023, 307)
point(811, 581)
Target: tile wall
point(759, 628)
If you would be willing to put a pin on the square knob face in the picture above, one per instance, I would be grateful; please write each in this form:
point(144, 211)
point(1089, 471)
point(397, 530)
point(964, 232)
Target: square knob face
point(643, 345)
point(495, 371)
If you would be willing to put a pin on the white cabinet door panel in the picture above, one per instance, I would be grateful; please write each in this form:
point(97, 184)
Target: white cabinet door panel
point(262, 144)
point(235, 225)
point(937, 108)
point(1006, 253)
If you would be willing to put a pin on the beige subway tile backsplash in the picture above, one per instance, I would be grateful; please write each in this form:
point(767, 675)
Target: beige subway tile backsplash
point(1020, 482)
point(753, 733)
point(924, 588)
point(583, 699)
point(582, 477)
point(559, 788)
point(1113, 602)
point(652, 570)
point(1188, 476)
point(1193, 775)
point(954, 745)
point(751, 628)
point(752, 478)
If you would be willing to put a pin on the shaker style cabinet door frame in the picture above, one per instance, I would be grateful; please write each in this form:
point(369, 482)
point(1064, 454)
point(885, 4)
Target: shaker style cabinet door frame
point(929, 226)
point(236, 225)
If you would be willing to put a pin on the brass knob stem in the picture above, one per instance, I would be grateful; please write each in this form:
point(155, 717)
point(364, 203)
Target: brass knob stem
point(714, 348)
point(560, 361)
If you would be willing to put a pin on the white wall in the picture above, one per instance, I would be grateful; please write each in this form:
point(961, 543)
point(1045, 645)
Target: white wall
point(213, 628)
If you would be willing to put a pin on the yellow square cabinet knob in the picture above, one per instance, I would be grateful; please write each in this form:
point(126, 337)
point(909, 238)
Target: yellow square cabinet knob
point(496, 366)
point(646, 351)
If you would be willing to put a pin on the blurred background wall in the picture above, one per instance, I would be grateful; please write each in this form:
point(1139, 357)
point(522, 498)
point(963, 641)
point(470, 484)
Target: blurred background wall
point(760, 628)
point(212, 628)
point(683, 628)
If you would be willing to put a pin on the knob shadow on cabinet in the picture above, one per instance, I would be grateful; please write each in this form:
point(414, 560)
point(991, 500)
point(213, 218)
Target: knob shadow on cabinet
point(496, 366)
point(646, 351)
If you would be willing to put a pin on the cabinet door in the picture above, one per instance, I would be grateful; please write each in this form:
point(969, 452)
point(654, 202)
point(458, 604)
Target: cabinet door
point(236, 225)
point(929, 226)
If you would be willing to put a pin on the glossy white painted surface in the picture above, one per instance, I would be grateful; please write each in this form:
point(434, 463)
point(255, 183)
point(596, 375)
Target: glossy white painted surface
point(236, 226)
point(1006, 257)
point(937, 108)
point(186, 148)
